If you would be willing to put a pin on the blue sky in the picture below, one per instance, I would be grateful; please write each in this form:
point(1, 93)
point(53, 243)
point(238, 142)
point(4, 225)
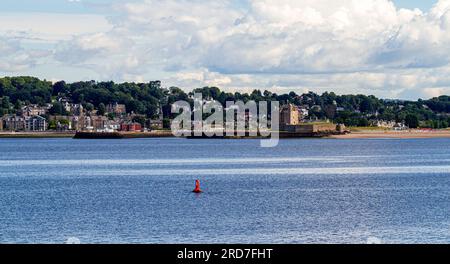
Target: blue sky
point(67, 6)
point(53, 6)
point(422, 4)
point(342, 46)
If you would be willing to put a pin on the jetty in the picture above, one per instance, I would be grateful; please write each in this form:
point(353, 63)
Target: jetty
point(316, 130)
point(122, 135)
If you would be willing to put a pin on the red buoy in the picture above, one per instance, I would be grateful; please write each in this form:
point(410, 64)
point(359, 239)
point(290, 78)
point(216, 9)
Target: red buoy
point(197, 187)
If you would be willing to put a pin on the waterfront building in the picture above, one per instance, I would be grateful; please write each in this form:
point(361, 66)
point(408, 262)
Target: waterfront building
point(99, 122)
point(118, 109)
point(112, 125)
point(13, 123)
point(157, 124)
point(87, 124)
point(34, 110)
point(304, 112)
point(383, 124)
point(400, 127)
point(35, 123)
point(131, 127)
point(76, 123)
point(77, 110)
point(290, 115)
point(66, 104)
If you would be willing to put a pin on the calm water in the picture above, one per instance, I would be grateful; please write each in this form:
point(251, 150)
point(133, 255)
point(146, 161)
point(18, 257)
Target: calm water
point(304, 191)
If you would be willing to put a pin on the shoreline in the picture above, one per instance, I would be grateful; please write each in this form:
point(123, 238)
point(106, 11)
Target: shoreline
point(390, 134)
point(37, 135)
point(359, 134)
point(71, 134)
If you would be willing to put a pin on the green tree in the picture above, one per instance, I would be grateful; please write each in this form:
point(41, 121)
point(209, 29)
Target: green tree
point(101, 109)
point(363, 122)
point(412, 121)
point(57, 109)
point(89, 107)
point(59, 87)
point(64, 122)
point(368, 105)
point(139, 119)
point(6, 104)
point(52, 125)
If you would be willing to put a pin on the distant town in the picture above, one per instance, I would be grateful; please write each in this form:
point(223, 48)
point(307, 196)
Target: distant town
point(114, 117)
point(28, 104)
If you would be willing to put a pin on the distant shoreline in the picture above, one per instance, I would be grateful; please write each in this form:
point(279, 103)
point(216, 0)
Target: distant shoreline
point(37, 134)
point(358, 134)
point(389, 134)
point(50, 134)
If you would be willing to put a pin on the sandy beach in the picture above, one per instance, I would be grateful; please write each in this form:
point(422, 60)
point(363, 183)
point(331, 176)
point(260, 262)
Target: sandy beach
point(407, 134)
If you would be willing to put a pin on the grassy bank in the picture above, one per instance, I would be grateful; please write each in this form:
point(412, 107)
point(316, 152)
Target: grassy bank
point(362, 129)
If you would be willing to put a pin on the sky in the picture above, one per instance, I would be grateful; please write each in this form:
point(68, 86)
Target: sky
point(391, 49)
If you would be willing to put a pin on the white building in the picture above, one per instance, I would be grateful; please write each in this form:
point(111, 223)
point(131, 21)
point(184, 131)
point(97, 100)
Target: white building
point(35, 123)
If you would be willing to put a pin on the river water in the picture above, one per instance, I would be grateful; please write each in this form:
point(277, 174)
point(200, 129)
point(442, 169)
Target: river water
point(303, 191)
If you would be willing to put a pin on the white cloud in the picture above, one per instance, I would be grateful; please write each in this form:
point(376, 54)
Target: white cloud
point(205, 76)
point(348, 46)
point(14, 58)
point(28, 40)
point(51, 26)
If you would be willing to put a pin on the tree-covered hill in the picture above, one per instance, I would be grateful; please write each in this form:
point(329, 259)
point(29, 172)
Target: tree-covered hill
point(148, 98)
